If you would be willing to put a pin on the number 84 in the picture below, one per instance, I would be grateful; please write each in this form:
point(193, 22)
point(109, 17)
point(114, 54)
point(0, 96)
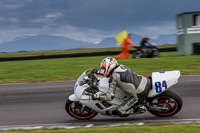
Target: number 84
point(159, 86)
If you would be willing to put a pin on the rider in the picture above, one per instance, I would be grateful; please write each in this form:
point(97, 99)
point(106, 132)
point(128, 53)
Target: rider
point(144, 42)
point(121, 76)
point(145, 46)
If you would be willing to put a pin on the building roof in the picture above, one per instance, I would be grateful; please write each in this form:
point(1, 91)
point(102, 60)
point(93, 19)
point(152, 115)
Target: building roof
point(195, 12)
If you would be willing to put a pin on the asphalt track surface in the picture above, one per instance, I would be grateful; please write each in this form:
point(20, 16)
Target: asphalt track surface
point(43, 103)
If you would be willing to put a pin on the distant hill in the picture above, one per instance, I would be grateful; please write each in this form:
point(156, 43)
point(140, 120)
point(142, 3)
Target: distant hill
point(107, 43)
point(165, 39)
point(162, 39)
point(41, 42)
point(47, 42)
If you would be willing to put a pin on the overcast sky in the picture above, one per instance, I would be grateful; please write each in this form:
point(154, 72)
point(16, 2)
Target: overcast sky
point(90, 20)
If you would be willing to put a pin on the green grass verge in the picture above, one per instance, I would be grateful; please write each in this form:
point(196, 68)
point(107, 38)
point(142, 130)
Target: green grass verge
point(71, 51)
point(55, 52)
point(149, 128)
point(62, 69)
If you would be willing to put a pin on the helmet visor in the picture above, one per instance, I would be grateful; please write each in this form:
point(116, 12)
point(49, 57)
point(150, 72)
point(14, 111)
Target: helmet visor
point(102, 71)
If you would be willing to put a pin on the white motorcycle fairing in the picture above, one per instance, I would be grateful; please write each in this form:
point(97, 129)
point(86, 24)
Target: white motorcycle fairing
point(162, 81)
point(96, 105)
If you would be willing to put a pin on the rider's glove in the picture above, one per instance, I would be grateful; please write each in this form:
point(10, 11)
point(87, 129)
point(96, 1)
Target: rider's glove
point(95, 71)
point(96, 96)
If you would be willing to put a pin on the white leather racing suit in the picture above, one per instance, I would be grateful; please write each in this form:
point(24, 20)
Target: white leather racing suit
point(135, 85)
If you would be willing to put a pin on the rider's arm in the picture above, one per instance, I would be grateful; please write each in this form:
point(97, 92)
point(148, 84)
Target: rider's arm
point(130, 42)
point(112, 87)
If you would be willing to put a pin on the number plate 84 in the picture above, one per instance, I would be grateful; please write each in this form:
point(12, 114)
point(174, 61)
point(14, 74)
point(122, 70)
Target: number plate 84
point(159, 86)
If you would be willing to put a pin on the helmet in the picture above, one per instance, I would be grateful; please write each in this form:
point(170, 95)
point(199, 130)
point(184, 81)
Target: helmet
point(147, 37)
point(107, 65)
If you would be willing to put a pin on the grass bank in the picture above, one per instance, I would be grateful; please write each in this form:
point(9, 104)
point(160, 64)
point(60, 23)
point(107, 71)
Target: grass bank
point(149, 128)
point(62, 69)
point(71, 51)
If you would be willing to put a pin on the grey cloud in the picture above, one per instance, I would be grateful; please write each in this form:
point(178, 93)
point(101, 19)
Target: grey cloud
point(48, 18)
point(106, 17)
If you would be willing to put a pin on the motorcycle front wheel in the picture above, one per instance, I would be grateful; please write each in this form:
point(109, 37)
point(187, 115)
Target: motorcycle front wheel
point(169, 102)
point(76, 110)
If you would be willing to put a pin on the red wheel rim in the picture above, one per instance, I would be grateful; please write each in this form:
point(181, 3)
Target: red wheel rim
point(75, 110)
point(170, 102)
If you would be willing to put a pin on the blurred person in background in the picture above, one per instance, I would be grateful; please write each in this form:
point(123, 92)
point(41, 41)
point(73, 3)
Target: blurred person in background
point(144, 42)
point(125, 51)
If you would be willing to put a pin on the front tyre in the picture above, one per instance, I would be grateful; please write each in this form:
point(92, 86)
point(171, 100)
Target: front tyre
point(169, 103)
point(78, 111)
point(137, 54)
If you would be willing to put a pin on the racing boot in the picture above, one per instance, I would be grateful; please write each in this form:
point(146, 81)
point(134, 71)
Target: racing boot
point(143, 108)
point(140, 109)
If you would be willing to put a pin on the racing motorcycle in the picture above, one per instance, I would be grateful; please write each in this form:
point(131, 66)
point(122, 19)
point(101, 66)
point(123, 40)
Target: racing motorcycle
point(161, 101)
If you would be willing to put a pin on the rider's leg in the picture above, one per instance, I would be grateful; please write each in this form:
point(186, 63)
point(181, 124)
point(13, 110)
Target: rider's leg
point(121, 54)
point(128, 106)
point(127, 53)
point(144, 94)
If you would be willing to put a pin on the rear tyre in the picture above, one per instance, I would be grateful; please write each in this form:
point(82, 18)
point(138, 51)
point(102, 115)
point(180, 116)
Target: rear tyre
point(156, 54)
point(169, 100)
point(76, 110)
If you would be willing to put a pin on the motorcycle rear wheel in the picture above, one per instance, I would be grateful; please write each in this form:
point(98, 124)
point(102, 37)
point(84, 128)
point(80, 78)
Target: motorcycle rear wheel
point(156, 54)
point(76, 110)
point(167, 99)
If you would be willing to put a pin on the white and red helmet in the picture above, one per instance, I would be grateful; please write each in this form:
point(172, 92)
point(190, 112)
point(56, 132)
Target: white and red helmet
point(107, 65)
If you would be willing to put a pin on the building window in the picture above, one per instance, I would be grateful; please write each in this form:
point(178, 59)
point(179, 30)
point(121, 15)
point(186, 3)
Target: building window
point(196, 20)
point(179, 22)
